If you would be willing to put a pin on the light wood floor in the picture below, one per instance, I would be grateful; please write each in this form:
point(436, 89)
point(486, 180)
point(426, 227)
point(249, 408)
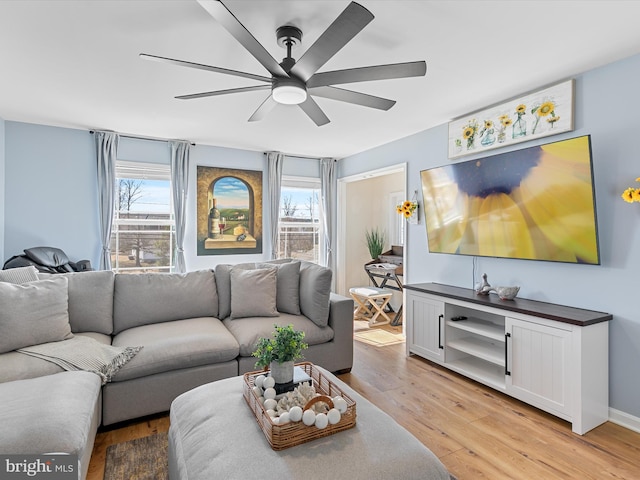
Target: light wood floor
point(477, 432)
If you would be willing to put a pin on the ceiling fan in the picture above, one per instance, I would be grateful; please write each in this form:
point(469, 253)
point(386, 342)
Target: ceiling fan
point(295, 82)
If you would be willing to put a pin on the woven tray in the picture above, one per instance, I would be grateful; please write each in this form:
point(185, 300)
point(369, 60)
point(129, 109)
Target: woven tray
point(292, 434)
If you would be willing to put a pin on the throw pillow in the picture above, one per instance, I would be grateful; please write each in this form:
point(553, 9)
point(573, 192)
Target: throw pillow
point(253, 293)
point(33, 313)
point(288, 286)
point(315, 291)
point(223, 284)
point(19, 275)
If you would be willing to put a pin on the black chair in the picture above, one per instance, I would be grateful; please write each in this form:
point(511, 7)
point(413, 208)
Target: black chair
point(47, 260)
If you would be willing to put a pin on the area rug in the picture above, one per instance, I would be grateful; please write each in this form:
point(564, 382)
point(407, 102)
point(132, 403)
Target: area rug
point(140, 459)
point(378, 337)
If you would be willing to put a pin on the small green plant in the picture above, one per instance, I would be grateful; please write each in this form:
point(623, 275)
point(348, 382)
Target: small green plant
point(286, 345)
point(375, 242)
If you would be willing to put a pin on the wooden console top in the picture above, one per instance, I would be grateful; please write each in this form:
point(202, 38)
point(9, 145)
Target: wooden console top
point(550, 311)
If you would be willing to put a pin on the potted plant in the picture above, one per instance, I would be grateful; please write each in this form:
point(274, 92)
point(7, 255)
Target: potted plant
point(280, 352)
point(375, 242)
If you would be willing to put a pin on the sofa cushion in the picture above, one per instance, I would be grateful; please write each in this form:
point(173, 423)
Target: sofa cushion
point(315, 290)
point(176, 345)
point(248, 331)
point(19, 366)
point(55, 413)
point(253, 293)
point(19, 275)
point(288, 286)
point(91, 301)
point(223, 284)
point(147, 298)
point(33, 313)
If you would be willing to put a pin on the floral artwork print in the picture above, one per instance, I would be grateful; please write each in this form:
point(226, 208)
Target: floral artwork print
point(539, 114)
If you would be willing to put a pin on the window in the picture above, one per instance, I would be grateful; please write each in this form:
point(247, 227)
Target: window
point(300, 225)
point(143, 231)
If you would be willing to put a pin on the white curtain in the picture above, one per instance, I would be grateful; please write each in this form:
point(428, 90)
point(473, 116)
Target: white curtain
point(179, 187)
point(329, 189)
point(275, 161)
point(106, 153)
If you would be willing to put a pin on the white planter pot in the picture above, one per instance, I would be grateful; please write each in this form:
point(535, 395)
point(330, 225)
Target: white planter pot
point(282, 372)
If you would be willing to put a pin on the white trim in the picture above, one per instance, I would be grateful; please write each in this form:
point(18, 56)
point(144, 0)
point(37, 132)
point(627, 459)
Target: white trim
point(625, 420)
point(400, 167)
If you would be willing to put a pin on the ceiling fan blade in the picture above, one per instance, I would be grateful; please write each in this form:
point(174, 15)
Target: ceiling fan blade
point(348, 24)
point(223, 92)
point(365, 74)
point(199, 66)
point(264, 108)
point(312, 109)
point(222, 15)
point(350, 96)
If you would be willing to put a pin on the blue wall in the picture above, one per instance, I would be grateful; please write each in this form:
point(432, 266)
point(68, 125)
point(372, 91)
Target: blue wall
point(50, 191)
point(51, 186)
point(606, 107)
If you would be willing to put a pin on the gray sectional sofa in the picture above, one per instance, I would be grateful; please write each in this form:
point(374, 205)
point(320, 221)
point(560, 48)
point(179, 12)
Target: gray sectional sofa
point(193, 328)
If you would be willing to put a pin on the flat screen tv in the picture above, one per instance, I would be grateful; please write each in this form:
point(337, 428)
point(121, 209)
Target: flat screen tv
point(537, 203)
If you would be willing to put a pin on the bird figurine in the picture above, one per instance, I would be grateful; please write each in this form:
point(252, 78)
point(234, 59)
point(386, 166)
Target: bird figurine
point(483, 288)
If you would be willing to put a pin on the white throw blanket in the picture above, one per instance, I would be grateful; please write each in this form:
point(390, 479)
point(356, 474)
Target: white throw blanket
point(84, 353)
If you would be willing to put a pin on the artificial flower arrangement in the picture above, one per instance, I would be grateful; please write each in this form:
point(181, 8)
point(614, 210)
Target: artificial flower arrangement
point(631, 194)
point(407, 208)
point(285, 346)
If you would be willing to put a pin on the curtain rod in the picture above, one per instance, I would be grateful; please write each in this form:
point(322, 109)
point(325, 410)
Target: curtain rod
point(138, 137)
point(300, 157)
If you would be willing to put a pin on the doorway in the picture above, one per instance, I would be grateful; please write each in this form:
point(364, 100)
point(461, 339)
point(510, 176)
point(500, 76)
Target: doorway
point(367, 201)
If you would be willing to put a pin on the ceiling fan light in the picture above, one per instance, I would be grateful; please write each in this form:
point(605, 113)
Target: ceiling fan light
point(289, 94)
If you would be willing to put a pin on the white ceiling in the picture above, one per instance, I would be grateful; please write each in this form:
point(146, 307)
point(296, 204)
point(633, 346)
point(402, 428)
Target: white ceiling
point(75, 64)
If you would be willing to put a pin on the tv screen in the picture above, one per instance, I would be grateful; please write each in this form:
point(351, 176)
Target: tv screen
point(537, 203)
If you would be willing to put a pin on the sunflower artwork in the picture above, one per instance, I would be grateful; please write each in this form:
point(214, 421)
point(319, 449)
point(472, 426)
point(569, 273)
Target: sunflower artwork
point(537, 203)
point(539, 114)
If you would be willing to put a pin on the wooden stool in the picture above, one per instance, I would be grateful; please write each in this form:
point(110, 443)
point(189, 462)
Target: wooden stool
point(370, 304)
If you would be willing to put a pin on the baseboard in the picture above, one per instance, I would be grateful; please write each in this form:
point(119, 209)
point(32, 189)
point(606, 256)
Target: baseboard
point(624, 420)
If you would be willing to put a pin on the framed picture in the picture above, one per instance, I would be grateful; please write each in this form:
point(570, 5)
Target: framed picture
point(535, 115)
point(229, 211)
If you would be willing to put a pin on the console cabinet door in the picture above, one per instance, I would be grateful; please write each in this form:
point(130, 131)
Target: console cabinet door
point(538, 365)
point(425, 326)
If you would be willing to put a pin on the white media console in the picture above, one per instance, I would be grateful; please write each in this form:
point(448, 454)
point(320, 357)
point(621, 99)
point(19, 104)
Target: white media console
point(553, 357)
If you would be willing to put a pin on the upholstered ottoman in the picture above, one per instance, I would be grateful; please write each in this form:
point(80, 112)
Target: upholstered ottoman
point(52, 414)
point(214, 434)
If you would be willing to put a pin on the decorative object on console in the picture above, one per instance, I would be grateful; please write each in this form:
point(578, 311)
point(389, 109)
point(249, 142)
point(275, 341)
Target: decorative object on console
point(507, 293)
point(280, 352)
point(483, 288)
point(551, 111)
point(631, 194)
point(375, 242)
